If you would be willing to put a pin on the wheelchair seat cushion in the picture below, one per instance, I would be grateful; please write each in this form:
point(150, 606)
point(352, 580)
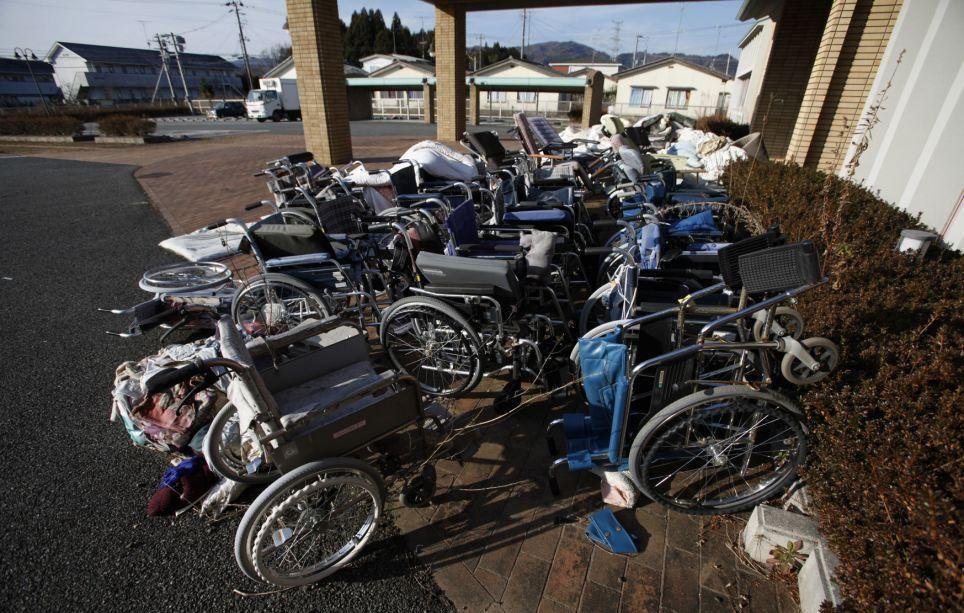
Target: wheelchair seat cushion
point(541, 215)
point(298, 402)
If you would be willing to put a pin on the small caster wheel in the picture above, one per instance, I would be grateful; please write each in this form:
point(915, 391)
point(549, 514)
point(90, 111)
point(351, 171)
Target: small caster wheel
point(420, 489)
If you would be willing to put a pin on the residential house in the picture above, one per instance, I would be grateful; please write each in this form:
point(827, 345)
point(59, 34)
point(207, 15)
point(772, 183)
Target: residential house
point(670, 85)
point(607, 68)
point(401, 101)
point(500, 103)
point(754, 55)
point(359, 102)
point(104, 75)
point(19, 88)
point(377, 61)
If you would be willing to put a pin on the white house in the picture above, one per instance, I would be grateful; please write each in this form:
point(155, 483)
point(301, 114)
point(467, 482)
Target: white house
point(607, 68)
point(670, 84)
point(754, 54)
point(102, 74)
point(377, 61)
point(394, 102)
point(286, 70)
point(500, 103)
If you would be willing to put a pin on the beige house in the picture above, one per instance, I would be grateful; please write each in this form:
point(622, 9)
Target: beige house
point(400, 103)
point(497, 103)
point(754, 54)
point(670, 85)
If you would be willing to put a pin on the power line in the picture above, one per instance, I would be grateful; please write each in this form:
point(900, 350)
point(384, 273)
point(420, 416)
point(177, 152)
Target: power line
point(236, 7)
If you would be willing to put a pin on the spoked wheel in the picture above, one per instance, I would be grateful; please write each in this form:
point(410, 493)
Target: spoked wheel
point(185, 277)
point(272, 303)
point(722, 450)
point(722, 365)
point(310, 522)
point(231, 455)
point(823, 350)
point(598, 308)
point(432, 342)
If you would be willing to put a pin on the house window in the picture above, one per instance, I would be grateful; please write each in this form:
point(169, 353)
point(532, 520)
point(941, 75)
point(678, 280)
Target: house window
point(641, 97)
point(677, 98)
point(526, 96)
point(722, 101)
point(415, 95)
point(497, 96)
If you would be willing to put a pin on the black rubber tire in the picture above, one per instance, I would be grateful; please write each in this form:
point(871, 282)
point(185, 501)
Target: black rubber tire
point(261, 120)
point(416, 303)
point(216, 461)
point(660, 422)
point(292, 481)
point(277, 116)
point(826, 352)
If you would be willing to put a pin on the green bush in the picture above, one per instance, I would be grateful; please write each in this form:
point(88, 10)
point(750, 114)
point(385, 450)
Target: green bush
point(40, 125)
point(884, 468)
point(721, 125)
point(125, 125)
point(96, 113)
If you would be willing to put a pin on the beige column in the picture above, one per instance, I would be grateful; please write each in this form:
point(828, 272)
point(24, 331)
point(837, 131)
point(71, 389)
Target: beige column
point(592, 98)
point(473, 104)
point(450, 72)
point(428, 102)
point(318, 53)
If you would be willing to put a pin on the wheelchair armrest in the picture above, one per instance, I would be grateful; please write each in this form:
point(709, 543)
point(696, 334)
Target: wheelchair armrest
point(303, 331)
point(482, 248)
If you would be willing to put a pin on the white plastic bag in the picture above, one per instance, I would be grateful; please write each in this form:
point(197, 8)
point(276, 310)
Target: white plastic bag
point(618, 489)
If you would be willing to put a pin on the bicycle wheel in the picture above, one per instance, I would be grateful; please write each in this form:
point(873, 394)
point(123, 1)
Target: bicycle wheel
point(431, 341)
point(226, 453)
point(308, 534)
point(721, 450)
point(292, 482)
point(185, 277)
point(823, 350)
point(272, 303)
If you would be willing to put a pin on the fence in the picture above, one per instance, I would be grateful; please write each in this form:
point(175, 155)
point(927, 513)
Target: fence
point(626, 110)
point(489, 112)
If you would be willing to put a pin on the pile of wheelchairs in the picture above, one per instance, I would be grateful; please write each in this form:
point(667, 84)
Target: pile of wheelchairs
point(669, 316)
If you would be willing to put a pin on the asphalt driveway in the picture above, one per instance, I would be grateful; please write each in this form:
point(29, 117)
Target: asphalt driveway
point(75, 535)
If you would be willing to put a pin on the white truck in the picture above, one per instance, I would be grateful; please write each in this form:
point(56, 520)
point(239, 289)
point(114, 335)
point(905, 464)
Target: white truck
point(276, 99)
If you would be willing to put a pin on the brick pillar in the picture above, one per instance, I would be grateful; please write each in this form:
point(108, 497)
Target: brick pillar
point(450, 72)
point(473, 104)
point(592, 98)
point(428, 102)
point(853, 43)
point(318, 53)
point(796, 37)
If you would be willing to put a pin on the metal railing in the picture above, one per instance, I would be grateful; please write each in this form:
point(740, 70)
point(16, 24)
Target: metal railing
point(628, 110)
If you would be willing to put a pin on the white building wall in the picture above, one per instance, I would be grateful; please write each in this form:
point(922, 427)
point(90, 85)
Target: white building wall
point(914, 157)
point(374, 64)
point(749, 73)
point(67, 65)
point(702, 101)
point(544, 101)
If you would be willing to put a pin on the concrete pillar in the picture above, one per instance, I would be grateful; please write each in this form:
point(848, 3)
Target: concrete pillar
point(450, 72)
point(592, 98)
point(428, 102)
point(318, 53)
point(473, 104)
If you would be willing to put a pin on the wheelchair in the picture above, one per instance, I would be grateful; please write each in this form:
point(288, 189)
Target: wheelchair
point(686, 398)
point(301, 405)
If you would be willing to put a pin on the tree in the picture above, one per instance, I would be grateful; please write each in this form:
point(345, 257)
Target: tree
point(276, 54)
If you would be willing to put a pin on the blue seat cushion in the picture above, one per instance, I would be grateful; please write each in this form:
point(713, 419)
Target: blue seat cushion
point(546, 215)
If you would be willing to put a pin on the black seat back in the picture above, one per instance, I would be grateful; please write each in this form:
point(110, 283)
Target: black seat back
point(487, 143)
point(449, 270)
point(282, 240)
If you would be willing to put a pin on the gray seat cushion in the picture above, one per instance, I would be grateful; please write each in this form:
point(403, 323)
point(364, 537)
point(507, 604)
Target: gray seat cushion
point(297, 403)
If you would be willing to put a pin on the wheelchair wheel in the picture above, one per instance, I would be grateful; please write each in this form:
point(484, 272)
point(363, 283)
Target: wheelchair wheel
point(431, 341)
point(823, 351)
point(185, 277)
point(787, 318)
point(224, 455)
point(283, 489)
point(272, 303)
point(722, 450)
point(304, 535)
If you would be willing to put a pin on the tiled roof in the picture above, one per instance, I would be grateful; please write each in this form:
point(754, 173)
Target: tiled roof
point(13, 65)
point(144, 57)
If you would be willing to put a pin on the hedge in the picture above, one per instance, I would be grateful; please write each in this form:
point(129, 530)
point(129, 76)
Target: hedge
point(885, 468)
point(125, 125)
point(96, 113)
point(718, 123)
point(40, 125)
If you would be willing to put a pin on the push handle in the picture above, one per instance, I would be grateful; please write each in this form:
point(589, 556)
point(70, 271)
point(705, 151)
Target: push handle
point(170, 377)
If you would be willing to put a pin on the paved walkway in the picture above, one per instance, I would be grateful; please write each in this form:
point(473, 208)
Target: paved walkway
point(494, 536)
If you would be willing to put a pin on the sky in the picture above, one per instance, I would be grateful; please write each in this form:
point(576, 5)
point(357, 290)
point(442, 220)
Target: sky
point(210, 27)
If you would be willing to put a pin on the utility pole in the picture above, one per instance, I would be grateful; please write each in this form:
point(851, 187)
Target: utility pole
point(478, 62)
point(23, 54)
point(176, 42)
point(716, 47)
point(679, 28)
point(236, 7)
point(522, 49)
point(162, 49)
point(616, 27)
point(636, 49)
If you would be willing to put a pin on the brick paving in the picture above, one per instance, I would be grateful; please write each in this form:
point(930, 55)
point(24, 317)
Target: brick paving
point(494, 536)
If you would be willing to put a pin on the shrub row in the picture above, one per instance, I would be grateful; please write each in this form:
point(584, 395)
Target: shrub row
point(40, 125)
point(884, 469)
point(96, 113)
point(126, 125)
point(718, 123)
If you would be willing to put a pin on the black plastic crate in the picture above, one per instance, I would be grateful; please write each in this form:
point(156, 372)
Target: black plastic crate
point(729, 256)
point(780, 268)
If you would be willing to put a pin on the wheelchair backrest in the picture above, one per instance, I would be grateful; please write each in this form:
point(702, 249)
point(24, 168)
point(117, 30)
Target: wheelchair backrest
point(454, 271)
point(282, 240)
point(404, 178)
point(340, 215)
point(330, 351)
point(462, 225)
point(488, 144)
